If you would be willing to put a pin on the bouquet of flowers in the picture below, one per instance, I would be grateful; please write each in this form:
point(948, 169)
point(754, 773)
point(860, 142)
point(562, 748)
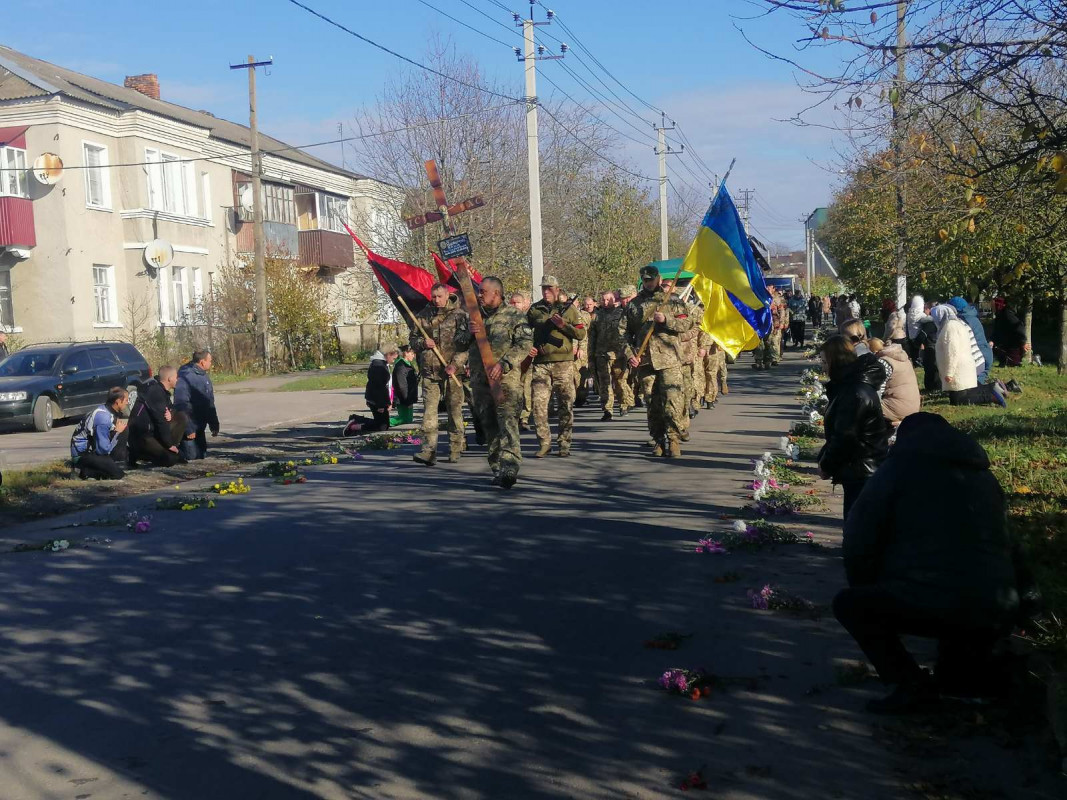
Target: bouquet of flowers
point(189, 502)
point(138, 523)
point(693, 683)
point(775, 598)
point(756, 534)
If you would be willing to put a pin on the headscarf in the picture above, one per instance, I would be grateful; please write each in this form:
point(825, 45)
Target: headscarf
point(999, 303)
point(942, 314)
point(916, 312)
point(958, 303)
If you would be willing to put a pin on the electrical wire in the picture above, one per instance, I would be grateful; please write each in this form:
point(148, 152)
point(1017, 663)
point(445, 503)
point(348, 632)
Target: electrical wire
point(643, 130)
point(464, 24)
point(592, 149)
point(591, 114)
point(404, 58)
point(494, 20)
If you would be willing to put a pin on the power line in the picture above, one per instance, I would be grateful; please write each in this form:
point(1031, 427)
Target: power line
point(591, 114)
point(404, 58)
point(491, 18)
point(464, 24)
point(288, 148)
point(592, 149)
point(607, 104)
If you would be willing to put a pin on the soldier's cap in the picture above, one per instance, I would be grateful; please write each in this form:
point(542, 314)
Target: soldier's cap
point(550, 280)
point(627, 291)
point(649, 271)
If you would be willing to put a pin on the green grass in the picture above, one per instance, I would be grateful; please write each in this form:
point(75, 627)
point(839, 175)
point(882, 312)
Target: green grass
point(18, 482)
point(1027, 445)
point(334, 380)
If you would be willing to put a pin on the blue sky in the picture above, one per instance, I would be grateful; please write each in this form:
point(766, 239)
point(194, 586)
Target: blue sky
point(685, 57)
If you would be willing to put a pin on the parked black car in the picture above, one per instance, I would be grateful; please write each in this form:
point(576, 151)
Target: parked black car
point(43, 383)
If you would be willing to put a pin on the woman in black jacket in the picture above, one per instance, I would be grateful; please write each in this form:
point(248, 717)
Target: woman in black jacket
point(926, 340)
point(1009, 334)
point(376, 395)
point(857, 435)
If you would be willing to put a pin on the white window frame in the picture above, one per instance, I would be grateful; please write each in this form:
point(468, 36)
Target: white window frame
point(102, 171)
point(326, 220)
point(105, 308)
point(178, 293)
point(171, 183)
point(205, 188)
point(13, 163)
point(7, 297)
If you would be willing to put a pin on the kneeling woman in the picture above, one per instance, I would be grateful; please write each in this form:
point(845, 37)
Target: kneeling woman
point(957, 361)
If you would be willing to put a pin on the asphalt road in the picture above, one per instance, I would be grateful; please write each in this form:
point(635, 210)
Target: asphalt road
point(243, 407)
point(392, 631)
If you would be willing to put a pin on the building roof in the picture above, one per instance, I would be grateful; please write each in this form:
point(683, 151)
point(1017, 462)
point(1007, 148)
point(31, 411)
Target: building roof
point(24, 77)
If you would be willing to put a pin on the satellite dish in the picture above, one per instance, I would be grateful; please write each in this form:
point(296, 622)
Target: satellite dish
point(158, 253)
point(48, 169)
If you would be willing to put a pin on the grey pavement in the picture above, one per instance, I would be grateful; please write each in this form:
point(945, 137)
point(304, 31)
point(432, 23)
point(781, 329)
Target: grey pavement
point(392, 631)
point(243, 407)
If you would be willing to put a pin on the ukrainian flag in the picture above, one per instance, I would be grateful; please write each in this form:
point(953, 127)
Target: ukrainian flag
point(728, 280)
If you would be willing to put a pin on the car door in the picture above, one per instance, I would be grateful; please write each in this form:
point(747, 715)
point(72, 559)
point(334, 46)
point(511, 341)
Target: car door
point(78, 380)
point(109, 370)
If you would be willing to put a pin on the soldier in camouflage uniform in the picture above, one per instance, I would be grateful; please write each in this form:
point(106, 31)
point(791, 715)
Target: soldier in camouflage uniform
point(714, 374)
point(510, 338)
point(521, 301)
point(446, 325)
point(606, 349)
point(582, 369)
point(556, 330)
point(769, 351)
point(689, 357)
point(660, 368)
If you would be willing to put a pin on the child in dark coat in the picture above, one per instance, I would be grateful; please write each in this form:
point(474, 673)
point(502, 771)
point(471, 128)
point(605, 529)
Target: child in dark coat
point(376, 396)
point(405, 387)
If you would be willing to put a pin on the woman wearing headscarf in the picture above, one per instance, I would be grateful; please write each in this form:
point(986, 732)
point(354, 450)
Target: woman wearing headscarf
point(895, 329)
point(956, 362)
point(968, 314)
point(913, 321)
point(1009, 334)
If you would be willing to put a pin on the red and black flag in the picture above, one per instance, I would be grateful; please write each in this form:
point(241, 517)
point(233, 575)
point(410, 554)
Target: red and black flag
point(399, 279)
point(447, 274)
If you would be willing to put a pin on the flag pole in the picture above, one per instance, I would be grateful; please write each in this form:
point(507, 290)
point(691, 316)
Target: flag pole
point(422, 330)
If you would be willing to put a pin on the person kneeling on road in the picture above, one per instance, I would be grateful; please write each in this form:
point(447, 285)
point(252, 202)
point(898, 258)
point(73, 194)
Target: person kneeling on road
point(98, 444)
point(156, 429)
point(938, 564)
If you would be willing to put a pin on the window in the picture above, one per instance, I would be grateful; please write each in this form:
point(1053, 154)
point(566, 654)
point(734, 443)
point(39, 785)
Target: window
point(179, 305)
point(104, 294)
point(205, 187)
point(171, 183)
point(279, 206)
point(77, 362)
point(103, 357)
point(13, 177)
point(97, 180)
point(333, 214)
point(7, 318)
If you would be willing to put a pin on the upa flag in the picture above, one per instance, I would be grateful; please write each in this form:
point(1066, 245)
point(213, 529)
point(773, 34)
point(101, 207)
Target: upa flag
point(728, 280)
point(447, 274)
point(399, 279)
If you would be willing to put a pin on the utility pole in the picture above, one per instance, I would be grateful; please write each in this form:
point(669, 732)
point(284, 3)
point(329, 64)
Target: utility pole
point(259, 246)
point(663, 150)
point(897, 98)
point(528, 56)
point(745, 205)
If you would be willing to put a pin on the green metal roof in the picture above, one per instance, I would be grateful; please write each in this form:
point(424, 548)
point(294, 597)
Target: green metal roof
point(668, 269)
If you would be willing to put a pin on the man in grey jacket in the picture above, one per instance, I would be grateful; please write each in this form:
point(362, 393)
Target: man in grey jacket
point(195, 397)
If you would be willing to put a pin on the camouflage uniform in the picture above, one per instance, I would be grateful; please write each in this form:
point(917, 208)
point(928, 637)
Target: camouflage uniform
point(660, 371)
point(769, 351)
point(606, 348)
point(703, 342)
point(510, 338)
point(689, 357)
point(527, 397)
point(553, 368)
point(581, 363)
point(714, 373)
point(448, 328)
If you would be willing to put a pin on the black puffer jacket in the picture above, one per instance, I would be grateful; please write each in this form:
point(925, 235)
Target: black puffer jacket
point(377, 392)
point(148, 417)
point(857, 435)
point(405, 383)
point(945, 550)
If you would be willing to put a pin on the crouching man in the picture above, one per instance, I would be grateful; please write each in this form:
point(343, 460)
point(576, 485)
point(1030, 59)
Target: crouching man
point(98, 444)
point(156, 429)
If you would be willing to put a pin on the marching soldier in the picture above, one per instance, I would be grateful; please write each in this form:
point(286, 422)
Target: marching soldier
point(510, 338)
point(581, 354)
point(659, 369)
point(606, 349)
point(445, 323)
point(521, 301)
point(556, 329)
point(714, 374)
point(769, 351)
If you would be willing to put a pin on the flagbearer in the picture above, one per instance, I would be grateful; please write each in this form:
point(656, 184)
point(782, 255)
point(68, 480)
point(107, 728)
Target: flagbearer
point(446, 326)
point(659, 368)
point(556, 329)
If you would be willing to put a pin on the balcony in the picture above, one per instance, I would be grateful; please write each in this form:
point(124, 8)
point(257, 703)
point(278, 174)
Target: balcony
point(16, 223)
point(326, 249)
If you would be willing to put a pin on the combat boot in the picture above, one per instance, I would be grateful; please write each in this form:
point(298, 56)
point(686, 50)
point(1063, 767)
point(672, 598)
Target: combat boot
point(657, 451)
point(622, 412)
point(674, 450)
point(564, 450)
point(425, 457)
point(508, 477)
point(684, 436)
point(542, 451)
point(606, 417)
point(453, 455)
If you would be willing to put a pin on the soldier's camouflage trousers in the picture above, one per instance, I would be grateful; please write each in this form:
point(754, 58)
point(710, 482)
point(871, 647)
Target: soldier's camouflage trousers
point(613, 377)
point(432, 391)
point(698, 382)
point(527, 395)
point(665, 390)
point(558, 376)
point(714, 375)
point(500, 423)
point(768, 352)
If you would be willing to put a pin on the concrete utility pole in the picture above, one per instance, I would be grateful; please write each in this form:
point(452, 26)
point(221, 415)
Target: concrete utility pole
point(663, 150)
point(258, 244)
point(898, 136)
point(528, 56)
point(745, 205)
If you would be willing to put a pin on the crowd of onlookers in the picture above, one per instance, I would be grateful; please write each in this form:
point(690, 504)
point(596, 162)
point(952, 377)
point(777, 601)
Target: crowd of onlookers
point(165, 425)
point(926, 548)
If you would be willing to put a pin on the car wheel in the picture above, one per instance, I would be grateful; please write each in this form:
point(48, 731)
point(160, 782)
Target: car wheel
point(43, 414)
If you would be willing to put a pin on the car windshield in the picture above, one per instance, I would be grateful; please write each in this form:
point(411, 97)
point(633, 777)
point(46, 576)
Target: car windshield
point(25, 364)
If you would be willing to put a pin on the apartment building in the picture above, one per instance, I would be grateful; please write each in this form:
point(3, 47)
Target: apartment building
point(73, 262)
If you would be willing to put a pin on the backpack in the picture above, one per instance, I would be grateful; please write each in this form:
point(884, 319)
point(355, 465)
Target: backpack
point(83, 431)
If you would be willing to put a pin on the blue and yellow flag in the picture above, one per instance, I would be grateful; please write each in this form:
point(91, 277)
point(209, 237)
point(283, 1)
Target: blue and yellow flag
point(729, 282)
